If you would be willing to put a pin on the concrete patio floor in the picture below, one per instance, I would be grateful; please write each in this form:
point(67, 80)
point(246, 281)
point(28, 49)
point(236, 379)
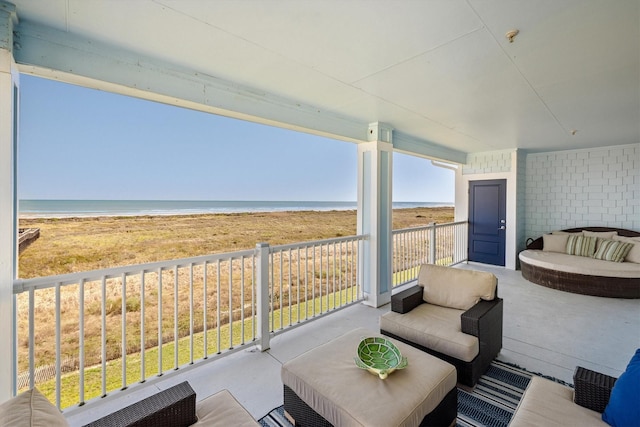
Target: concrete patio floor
point(545, 331)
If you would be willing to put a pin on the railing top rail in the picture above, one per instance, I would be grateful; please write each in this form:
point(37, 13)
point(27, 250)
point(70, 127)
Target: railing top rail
point(448, 224)
point(428, 227)
point(279, 248)
point(24, 285)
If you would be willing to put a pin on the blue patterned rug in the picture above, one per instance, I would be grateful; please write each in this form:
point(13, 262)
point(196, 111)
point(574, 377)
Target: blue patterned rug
point(491, 403)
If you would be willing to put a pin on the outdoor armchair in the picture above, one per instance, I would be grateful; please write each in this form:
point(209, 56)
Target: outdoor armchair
point(596, 400)
point(173, 407)
point(453, 314)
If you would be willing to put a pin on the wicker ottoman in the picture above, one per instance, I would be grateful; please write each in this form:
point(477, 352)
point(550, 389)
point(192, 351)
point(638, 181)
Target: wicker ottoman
point(323, 387)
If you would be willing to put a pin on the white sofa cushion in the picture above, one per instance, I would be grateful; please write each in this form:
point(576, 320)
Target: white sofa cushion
point(555, 242)
point(222, 409)
point(547, 403)
point(434, 327)
point(31, 409)
point(600, 234)
point(578, 264)
point(455, 287)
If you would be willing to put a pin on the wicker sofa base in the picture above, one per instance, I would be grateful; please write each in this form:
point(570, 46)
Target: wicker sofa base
point(302, 414)
point(599, 286)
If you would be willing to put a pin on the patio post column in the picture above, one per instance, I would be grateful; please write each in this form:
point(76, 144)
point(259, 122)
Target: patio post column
point(374, 214)
point(262, 295)
point(8, 202)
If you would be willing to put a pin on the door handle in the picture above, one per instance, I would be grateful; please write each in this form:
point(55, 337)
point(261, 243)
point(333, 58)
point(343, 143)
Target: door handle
point(502, 227)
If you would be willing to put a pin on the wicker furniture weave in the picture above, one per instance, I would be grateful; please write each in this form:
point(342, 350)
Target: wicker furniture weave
point(484, 321)
point(174, 407)
point(592, 389)
point(612, 287)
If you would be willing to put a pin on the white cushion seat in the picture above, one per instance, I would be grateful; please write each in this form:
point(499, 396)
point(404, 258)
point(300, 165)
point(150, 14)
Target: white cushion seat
point(547, 403)
point(328, 381)
point(222, 409)
point(434, 327)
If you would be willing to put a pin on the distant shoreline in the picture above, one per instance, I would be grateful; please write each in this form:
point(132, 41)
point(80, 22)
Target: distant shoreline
point(62, 209)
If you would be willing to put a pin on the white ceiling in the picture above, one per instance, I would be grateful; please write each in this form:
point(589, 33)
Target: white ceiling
point(438, 71)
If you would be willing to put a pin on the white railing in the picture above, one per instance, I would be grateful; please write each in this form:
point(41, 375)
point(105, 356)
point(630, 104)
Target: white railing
point(442, 244)
point(125, 325)
point(312, 279)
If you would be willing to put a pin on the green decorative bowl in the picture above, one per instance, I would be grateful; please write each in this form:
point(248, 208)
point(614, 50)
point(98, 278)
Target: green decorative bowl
point(379, 356)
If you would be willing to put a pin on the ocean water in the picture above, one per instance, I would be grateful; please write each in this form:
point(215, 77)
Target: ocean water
point(90, 208)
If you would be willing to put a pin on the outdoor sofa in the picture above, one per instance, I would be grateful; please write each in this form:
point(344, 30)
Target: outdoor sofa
point(596, 400)
point(558, 261)
point(453, 314)
point(173, 407)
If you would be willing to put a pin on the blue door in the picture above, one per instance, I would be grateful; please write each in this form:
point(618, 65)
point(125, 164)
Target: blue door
point(487, 221)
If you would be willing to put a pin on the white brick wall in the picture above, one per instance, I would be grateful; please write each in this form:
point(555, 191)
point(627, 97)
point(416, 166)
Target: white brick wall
point(489, 162)
point(596, 187)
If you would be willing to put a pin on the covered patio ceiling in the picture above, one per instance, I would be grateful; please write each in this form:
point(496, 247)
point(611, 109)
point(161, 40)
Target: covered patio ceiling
point(440, 72)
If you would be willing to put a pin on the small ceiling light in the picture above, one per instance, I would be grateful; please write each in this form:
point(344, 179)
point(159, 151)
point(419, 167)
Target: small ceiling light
point(574, 131)
point(511, 35)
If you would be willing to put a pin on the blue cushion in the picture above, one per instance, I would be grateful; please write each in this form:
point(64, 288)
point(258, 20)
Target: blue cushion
point(623, 408)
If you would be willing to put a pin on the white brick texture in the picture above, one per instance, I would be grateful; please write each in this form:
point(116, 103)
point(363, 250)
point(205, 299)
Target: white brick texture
point(489, 162)
point(595, 187)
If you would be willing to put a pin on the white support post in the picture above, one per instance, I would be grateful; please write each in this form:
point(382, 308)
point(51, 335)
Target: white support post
point(374, 214)
point(8, 202)
point(432, 243)
point(262, 295)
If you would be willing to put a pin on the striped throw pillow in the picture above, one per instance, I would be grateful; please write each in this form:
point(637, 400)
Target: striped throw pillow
point(612, 250)
point(581, 245)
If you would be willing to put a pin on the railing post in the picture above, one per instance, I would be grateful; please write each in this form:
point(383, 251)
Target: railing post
point(432, 243)
point(262, 297)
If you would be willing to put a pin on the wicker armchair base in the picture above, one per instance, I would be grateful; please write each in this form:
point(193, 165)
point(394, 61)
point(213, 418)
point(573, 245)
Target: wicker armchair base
point(443, 415)
point(173, 407)
point(592, 389)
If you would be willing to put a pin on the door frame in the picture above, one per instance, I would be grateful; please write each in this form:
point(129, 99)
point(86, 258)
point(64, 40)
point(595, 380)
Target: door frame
point(501, 184)
point(462, 206)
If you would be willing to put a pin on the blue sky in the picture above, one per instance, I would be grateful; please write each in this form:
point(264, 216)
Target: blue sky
point(78, 143)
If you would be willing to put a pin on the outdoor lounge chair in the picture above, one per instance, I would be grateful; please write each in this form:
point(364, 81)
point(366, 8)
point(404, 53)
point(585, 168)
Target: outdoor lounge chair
point(453, 314)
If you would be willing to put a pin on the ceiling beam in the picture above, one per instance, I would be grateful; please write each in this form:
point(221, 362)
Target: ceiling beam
point(55, 54)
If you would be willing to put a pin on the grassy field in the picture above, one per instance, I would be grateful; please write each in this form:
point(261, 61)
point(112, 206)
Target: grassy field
point(229, 338)
point(81, 244)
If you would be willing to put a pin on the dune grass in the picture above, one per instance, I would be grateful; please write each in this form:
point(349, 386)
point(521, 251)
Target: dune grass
point(229, 336)
point(82, 244)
